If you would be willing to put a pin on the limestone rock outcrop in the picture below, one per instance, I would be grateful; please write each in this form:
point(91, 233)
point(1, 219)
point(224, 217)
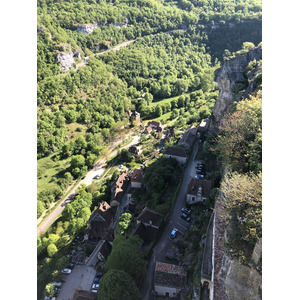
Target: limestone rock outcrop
point(231, 73)
point(87, 28)
point(66, 59)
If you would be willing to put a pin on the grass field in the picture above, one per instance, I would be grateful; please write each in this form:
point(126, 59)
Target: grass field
point(47, 169)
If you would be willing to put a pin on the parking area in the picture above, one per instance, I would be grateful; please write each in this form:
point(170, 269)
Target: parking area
point(81, 277)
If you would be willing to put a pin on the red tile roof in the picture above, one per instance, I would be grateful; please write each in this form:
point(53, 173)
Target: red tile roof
point(154, 123)
point(170, 275)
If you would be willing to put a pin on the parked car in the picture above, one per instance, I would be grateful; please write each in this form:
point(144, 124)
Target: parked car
point(66, 271)
point(200, 176)
point(99, 274)
point(198, 172)
point(95, 286)
point(186, 211)
point(57, 284)
point(185, 217)
point(95, 291)
point(173, 233)
point(97, 279)
point(96, 177)
point(71, 266)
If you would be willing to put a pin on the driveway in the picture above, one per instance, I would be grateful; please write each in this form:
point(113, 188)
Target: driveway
point(82, 277)
point(162, 246)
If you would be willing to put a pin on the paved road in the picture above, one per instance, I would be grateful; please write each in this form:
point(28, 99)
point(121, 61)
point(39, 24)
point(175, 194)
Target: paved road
point(82, 276)
point(98, 169)
point(161, 247)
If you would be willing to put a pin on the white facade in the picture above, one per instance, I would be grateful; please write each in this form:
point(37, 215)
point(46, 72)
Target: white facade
point(180, 159)
point(191, 199)
point(136, 185)
point(164, 291)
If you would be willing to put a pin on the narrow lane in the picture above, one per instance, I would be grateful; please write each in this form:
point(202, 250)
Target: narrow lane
point(161, 247)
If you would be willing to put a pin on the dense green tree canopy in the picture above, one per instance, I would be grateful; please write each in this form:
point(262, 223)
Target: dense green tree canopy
point(117, 284)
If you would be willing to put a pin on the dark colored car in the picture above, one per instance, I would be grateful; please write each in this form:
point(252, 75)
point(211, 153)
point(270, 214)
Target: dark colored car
point(99, 274)
point(185, 217)
point(71, 266)
point(97, 279)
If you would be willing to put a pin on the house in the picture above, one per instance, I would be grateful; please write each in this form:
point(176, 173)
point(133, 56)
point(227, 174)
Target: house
point(101, 220)
point(150, 217)
point(104, 251)
point(83, 295)
point(118, 187)
point(134, 117)
point(136, 178)
point(148, 223)
point(169, 279)
point(179, 154)
point(129, 208)
point(154, 125)
point(109, 236)
point(146, 233)
point(148, 129)
point(198, 190)
point(189, 136)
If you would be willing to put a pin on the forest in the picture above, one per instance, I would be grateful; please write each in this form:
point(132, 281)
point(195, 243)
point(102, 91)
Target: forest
point(82, 111)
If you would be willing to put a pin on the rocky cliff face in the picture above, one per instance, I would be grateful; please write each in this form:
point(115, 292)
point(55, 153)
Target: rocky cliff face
point(66, 59)
point(87, 28)
point(227, 78)
point(231, 279)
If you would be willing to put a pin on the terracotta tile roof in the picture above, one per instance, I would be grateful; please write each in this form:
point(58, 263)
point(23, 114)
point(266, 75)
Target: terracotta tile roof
point(150, 216)
point(104, 210)
point(118, 186)
point(176, 151)
point(83, 295)
point(137, 176)
point(194, 185)
point(170, 275)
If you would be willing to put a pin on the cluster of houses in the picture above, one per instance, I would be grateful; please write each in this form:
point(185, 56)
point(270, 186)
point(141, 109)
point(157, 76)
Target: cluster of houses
point(169, 279)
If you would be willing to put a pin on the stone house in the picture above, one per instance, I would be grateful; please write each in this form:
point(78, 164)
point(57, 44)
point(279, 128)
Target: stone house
point(169, 279)
point(179, 154)
point(198, 190)
point(101, 220)
point(136, 179)
point(148, 223)
point(155, 125)
point(83, 295)
point(189, 136)
point(134, 116)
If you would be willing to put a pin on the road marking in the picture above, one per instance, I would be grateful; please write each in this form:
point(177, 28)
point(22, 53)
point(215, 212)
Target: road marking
point(182, 226)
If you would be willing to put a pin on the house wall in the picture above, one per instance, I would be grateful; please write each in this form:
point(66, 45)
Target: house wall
point(181, 160)
point(189, 199)
point(162, 290)
point(136, 185)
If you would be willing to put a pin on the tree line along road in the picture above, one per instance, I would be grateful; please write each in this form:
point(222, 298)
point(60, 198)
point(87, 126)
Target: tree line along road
point(43, 226)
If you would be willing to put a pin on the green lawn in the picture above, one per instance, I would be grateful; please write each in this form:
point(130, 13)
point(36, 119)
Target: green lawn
point(47, 169)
